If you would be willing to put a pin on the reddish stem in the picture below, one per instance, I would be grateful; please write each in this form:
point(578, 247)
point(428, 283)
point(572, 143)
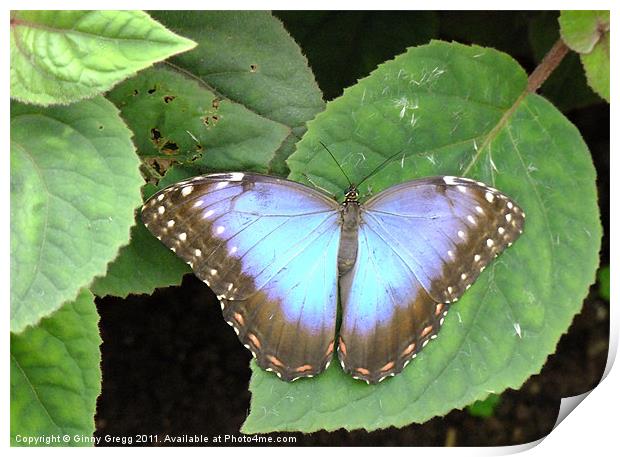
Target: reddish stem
point(549, 63)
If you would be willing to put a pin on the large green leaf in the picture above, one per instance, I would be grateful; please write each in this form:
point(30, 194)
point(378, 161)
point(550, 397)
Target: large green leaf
point(587, 32)
point(176, 117)
point(56, 376)
point(248, 57)
point(454, 110)
point(74, 186)
point(65, 56)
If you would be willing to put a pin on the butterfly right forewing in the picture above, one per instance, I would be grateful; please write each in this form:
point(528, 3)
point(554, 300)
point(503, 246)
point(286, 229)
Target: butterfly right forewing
point(265, 246)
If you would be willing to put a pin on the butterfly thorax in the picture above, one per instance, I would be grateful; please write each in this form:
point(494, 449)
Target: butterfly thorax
point(350, 218)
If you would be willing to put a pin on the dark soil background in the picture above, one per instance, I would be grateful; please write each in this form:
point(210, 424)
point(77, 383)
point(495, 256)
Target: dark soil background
point(171, 365)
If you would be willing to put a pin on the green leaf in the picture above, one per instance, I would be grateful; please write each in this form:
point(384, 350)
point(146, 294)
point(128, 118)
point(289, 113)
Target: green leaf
point(56, 375)
point(582, 30)
point(566, 86)
point(74, 186)
point(248, 57)
point(176, 118)
point(142, 266)
point(65, 56)
point(484, 408)
point(587, 32)
point(597, 67)
point(454, 110)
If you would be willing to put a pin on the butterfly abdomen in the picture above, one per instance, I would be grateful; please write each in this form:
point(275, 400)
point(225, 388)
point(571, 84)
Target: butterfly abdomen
point(350, 222)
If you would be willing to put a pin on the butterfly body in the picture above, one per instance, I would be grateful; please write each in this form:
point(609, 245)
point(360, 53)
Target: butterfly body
point(280, 256)
point(350, 222)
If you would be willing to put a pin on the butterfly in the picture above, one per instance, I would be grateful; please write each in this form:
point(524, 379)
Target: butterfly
point(281, 255)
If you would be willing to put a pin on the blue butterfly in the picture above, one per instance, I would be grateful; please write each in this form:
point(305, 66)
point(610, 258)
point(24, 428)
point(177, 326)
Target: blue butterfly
point(280, 254)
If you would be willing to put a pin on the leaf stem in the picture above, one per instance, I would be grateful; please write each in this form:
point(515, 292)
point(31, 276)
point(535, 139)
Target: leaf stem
point(549, 63)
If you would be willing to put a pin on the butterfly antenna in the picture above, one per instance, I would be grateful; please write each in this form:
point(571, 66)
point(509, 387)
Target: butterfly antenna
point(380, 167)
point(330, 153)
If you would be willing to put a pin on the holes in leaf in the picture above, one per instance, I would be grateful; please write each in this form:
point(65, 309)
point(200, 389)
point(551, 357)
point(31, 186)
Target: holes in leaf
point(136, 92)
point(253, 67)
point(170, 148)
point(155, 135)
point(152, 91)
point(215, 103)
point(210, 121)
point(169, 98)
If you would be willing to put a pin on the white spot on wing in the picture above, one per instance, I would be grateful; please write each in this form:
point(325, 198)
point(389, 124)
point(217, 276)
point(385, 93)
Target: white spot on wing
point(220, 229)
point(489, 196)
point(187, 190)
point(450, 180)
point(161, 210)
point(221, 184)
point(182, 236)
point(207, 214)
point(236, 176)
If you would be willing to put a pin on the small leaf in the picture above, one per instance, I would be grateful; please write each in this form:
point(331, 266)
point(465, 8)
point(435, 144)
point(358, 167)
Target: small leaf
point(484, 408)
point(582, 30)
point(597, 67)
point(56, 376)
point(249, 58)
point(463, 111)
point(74, 186)
point(587, 32)
point(65, 56)
point(566, 87)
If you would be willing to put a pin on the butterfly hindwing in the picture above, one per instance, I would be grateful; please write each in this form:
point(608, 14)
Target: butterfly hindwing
point(267, 247)
point(421, 246)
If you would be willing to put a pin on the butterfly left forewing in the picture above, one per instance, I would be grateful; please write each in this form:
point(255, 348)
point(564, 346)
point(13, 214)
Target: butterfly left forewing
point(263, 245)
point(429, 240)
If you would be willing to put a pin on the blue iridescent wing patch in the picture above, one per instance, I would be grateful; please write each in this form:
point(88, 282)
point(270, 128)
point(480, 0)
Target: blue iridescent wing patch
point(421, 246)
point(267, 247)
